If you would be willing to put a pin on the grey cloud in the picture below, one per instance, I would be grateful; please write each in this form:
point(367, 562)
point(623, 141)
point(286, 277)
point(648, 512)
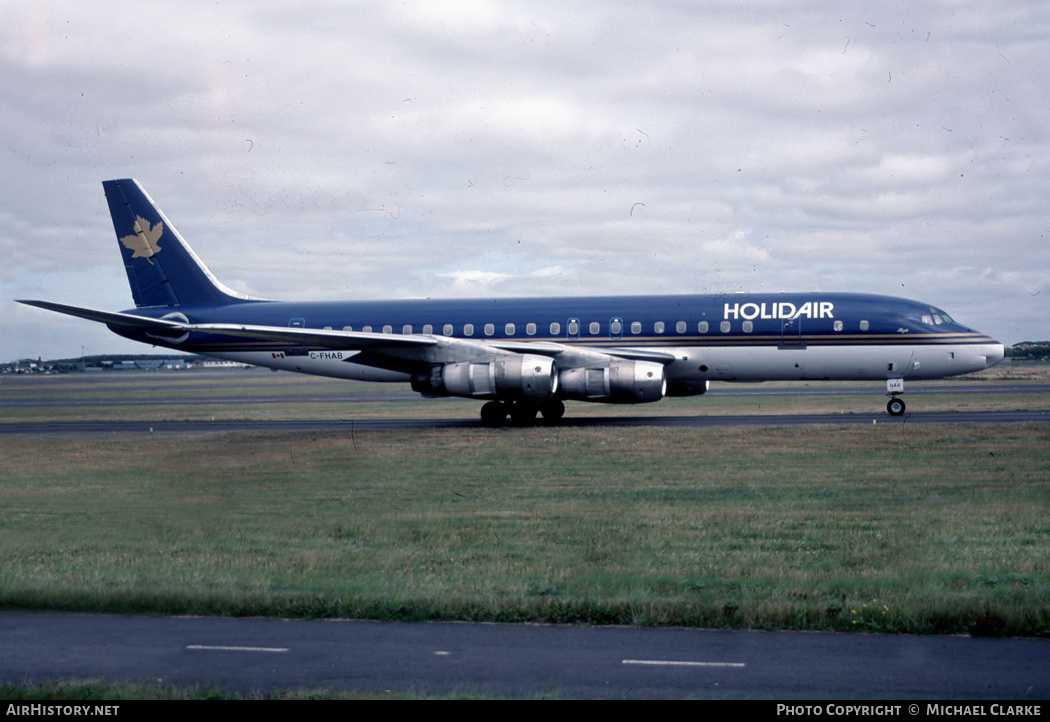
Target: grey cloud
point(309, 151)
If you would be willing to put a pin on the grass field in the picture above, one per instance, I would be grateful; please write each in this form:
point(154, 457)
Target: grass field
point(937, 529)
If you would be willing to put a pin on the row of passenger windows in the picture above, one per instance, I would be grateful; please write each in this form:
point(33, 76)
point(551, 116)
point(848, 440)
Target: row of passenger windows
point(573, 328)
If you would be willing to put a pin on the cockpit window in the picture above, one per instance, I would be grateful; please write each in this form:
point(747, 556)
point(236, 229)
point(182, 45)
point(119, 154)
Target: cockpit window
point(936, 318)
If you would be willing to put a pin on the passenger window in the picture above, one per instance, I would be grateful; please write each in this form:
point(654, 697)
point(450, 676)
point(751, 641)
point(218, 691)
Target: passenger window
point(555, 328)
point(724, 326)
point(428, 329)
point(594, 328)
point(509, 329)
point(388, 329)
point(447, 329)
point(468, 329)
point(574, 328)
point(702, 327)
point(489, 329)
point(863, 325)
point(636, 326)
point(406, 329)
point(366, 329)
point(615, 327)
point(748, 326)
point(530, 329)
point(837, 325)
point(327, 328)
point(680, 327)
point(658, 327)
point(348, 328)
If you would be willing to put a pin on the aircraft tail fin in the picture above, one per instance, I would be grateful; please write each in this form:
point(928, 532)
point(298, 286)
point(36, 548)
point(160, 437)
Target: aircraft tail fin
point(162, 269)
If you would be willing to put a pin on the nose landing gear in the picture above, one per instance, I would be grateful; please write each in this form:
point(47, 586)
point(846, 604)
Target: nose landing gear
point(895, 406)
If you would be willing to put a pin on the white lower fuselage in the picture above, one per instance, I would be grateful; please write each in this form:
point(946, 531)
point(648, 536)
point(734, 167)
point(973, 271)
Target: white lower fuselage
point(714, 363)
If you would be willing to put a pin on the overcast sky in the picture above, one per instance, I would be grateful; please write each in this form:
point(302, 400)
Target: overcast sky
point(346, 150)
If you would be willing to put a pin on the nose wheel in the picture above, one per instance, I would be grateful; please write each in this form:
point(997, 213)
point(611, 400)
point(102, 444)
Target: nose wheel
point(895, 406)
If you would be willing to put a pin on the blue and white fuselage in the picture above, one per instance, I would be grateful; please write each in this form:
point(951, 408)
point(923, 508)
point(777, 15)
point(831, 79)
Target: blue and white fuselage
point(526, 355)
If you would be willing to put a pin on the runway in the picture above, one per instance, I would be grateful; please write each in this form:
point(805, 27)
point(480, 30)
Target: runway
point(349, 426)
point(519, 660)
point(91, 404)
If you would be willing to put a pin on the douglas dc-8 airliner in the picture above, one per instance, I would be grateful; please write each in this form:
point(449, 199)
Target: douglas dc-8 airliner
point(526, 356)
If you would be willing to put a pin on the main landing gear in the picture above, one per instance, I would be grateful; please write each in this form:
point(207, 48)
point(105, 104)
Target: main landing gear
point(521, 413)
point(895, 406)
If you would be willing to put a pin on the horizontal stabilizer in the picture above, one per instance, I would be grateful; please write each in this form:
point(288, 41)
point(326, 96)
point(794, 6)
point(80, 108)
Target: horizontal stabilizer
point(110, 318)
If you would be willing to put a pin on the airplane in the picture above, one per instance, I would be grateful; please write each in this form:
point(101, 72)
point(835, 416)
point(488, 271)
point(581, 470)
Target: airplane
point(526, 356)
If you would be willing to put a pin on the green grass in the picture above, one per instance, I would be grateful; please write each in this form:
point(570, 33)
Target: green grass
point(937, 529)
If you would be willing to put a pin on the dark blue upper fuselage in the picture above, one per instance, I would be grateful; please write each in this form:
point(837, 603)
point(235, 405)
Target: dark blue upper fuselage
point(758, 319)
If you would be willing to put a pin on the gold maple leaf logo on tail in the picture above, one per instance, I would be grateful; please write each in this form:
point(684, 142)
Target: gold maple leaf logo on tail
point(144, 242)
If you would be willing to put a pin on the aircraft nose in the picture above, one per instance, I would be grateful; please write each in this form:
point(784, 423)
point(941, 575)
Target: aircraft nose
point(993, 354)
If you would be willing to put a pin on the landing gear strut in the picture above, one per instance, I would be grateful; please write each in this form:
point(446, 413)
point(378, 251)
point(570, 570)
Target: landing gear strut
point(895, 406)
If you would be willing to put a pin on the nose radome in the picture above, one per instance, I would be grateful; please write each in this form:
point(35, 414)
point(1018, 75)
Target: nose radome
point(993, 354)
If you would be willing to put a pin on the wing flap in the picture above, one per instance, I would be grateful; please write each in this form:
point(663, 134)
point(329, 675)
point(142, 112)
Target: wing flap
point(639, 354)
point(580, 355)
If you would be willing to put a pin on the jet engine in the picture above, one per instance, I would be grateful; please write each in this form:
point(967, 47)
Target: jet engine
point(514, 376)
point(621, 382)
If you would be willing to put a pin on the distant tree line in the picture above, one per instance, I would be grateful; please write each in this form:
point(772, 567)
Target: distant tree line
point(1029, 351)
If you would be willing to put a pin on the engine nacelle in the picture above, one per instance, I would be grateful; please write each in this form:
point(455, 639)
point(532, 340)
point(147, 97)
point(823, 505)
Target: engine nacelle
point(621, 382)
point(514, 376)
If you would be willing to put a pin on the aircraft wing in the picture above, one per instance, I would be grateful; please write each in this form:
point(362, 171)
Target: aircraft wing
point(550, 348)
point(380, 344)
point(639, 354)
point(352, 340)
point(377, 343)
point(404, 347)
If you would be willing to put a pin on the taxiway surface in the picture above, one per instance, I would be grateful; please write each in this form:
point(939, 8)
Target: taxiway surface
point(521, 660)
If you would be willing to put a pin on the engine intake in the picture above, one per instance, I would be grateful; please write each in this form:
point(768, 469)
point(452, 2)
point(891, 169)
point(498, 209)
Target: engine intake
point(621, 382)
